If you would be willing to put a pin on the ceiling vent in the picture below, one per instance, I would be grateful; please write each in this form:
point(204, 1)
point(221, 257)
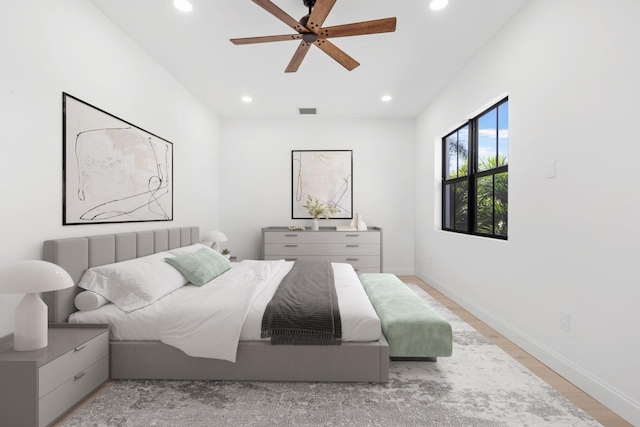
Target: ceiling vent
point(308, 111)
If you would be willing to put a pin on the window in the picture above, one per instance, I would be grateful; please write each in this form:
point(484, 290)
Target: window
point(475, 172)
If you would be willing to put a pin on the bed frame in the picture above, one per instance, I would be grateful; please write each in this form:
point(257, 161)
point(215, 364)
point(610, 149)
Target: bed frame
point(256, 360)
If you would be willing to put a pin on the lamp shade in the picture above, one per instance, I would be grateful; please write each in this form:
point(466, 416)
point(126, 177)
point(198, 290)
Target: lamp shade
point(27, 277)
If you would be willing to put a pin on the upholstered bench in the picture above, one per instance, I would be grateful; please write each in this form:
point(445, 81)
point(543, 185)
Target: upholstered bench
point(410, 325)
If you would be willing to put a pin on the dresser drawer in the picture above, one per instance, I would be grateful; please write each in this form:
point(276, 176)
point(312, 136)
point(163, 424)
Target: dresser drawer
point(317, 249)
point(361, 249)
point(322, 237)
point(60, 370)
point(356, 261)
point(74, 389)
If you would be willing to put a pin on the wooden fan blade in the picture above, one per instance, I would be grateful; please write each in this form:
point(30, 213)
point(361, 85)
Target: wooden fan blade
point(266, 39)
point(319, 14)
point(301, 52)
point(387, 25)
point(336, 53)
point(280, 14)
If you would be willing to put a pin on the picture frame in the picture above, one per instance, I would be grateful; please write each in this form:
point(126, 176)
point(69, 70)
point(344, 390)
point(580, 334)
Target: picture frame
point(113, 171)
point(326, 175)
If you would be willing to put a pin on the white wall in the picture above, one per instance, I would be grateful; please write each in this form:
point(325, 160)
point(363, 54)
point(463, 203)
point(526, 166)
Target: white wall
point(571, 70)
point(51, 46)
point(256, 178)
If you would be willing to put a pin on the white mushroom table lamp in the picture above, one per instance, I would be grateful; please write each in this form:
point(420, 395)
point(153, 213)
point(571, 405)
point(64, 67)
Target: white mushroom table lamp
point(30, 278)
point(215, 237)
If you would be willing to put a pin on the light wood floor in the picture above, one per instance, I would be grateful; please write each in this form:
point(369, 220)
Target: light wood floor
point(591, 406)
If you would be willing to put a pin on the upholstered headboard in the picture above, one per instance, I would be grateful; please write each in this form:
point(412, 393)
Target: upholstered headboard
point(77, 254)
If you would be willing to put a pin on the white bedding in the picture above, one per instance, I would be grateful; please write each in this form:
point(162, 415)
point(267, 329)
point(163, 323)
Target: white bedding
point(238, 299)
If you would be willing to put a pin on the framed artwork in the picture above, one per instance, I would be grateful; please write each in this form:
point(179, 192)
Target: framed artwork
point(113, 171)
point(323, 175)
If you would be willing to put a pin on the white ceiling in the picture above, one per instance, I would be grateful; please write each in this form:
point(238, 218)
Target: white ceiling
point(412, 64)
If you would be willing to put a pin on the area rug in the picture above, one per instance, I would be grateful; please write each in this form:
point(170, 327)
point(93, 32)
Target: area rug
point(480, 385)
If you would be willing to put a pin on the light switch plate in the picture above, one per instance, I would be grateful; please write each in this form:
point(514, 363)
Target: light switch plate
point(551, 169)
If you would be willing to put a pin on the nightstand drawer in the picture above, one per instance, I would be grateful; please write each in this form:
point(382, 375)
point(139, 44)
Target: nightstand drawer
point(77, 386)
point(60, 370)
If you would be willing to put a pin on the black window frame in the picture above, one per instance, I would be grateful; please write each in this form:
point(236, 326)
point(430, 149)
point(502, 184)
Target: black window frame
point(468, 225)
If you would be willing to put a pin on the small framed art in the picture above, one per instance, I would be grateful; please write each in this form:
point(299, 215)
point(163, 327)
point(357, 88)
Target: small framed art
point(324, 175)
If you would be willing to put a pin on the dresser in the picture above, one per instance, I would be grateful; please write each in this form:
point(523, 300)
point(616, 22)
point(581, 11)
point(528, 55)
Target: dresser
point(361, 249)
point(39, 386)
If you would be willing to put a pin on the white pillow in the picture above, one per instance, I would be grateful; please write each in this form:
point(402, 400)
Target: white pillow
point(89, 300)
point(136, 283)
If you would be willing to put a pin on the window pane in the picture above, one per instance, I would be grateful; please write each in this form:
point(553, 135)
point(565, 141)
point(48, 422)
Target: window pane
point(487, 140)
point(484, 205)
point(503, 134)
point(501, 203)
point(450, 143)
point(448, 206)
point(463, 151)
point(462, 206)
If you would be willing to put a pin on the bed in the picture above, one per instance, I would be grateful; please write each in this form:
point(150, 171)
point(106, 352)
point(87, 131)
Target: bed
point(150, 358)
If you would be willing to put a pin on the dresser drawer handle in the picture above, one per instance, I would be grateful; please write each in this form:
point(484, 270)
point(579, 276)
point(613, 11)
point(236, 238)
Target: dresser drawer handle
point(353, 235)
point(291, 259)
point(352, 259)
point(290, 235)
point(353, 246)
point(80, 375)
point(79, 348)
point(290, 246)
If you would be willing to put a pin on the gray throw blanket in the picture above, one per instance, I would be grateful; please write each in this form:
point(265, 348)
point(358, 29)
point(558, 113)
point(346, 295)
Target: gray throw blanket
point(304, 309)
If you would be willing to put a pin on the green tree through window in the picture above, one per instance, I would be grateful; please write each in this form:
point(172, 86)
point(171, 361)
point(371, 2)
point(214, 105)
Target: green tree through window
point(475, 175)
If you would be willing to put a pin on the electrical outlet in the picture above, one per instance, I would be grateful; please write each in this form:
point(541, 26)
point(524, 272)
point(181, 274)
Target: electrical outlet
point(551, 169)
point(565, 321)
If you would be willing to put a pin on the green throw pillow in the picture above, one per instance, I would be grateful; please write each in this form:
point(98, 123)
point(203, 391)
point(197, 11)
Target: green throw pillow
point(200, 267)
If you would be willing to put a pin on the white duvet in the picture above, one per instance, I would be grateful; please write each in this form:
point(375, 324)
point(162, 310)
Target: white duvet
point(209, 321)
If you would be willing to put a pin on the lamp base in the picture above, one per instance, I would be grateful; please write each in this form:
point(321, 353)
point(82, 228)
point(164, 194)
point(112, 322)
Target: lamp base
point(30, 324)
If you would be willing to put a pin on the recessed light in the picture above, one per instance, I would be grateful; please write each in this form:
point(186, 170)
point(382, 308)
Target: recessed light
point(183, 5)
point(438, 4)
point(247, 99)
point(386, 98)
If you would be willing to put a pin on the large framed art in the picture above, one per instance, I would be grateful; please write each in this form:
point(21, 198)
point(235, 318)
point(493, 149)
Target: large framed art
point(113, 171)
point(323, 175)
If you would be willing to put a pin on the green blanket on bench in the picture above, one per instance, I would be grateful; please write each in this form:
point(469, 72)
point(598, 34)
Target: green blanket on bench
point(410, 325)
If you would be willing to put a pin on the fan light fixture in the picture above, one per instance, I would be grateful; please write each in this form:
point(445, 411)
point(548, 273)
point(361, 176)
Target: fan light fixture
point(309, 31)
point(183, 5)
point(438, 4)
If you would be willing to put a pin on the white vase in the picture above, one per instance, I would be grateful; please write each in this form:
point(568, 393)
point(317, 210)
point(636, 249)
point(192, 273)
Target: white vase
point(314, 225)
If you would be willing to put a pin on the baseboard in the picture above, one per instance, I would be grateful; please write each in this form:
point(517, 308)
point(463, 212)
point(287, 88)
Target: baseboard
point(610, 397)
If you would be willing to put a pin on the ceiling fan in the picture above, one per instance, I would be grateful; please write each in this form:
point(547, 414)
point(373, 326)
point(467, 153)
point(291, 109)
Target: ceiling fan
point(310, 31)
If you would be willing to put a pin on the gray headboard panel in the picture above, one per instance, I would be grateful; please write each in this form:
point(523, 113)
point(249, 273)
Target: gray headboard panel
point(77, 254)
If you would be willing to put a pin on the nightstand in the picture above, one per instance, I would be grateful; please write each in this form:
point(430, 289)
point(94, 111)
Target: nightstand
point(39, 386)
